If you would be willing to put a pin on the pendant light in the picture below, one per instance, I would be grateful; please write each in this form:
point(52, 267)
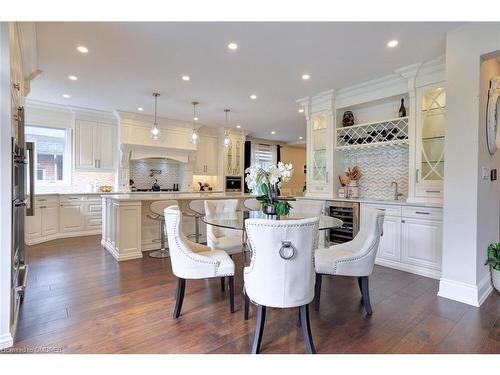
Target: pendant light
point(155, 130)
point(227, 140)
point(194, 135)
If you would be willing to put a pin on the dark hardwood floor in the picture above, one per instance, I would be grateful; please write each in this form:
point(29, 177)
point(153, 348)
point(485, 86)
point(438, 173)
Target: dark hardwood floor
point(81, 301)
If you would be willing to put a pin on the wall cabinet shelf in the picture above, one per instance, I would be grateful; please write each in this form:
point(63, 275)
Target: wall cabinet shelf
point(380, 133)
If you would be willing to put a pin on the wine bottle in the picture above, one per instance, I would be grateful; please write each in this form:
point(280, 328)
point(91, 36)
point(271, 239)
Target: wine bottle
point(402, 109)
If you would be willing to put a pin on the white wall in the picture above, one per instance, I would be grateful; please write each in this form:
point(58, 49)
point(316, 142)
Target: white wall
point(5, 187)
point(465, 150)
point(488, 209)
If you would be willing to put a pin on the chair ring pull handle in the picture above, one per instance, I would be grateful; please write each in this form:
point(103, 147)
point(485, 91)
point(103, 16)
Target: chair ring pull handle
point(287, 250)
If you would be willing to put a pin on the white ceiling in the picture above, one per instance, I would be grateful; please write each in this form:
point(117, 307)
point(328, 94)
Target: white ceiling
point(128, 61)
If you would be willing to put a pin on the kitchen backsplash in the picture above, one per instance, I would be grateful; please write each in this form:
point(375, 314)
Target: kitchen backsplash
point(80, 183)
point(140, 171)
point(380, 166)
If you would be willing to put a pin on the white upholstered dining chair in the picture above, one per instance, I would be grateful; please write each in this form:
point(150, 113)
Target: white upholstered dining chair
point(229, 240)
point(281, 272)
point(354, 258)
point(194, 261)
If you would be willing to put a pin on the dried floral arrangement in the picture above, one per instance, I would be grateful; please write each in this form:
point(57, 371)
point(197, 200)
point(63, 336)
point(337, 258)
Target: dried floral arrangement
point(353, 174)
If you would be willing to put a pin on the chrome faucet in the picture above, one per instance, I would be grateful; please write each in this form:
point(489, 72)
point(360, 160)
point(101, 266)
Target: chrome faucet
point(396, 194)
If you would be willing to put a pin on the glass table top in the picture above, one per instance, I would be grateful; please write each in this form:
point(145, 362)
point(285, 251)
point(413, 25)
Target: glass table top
point(237, 219)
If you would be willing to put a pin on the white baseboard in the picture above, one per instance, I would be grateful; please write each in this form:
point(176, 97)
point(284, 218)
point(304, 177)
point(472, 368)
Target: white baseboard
point(6, 341)
point(116, 253)
point(60, 235)
point(470, 294)
point(422, 271)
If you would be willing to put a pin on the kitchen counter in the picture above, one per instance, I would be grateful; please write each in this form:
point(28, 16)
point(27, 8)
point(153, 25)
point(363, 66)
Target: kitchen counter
point(381, 201)
point(149, 196)
point(128, 229)
point(131, 193)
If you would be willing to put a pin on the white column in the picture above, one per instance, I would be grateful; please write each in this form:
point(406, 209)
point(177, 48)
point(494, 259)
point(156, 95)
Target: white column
point(469, 202)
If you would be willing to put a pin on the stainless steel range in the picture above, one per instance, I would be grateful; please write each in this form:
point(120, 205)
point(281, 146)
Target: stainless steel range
point(23, 195)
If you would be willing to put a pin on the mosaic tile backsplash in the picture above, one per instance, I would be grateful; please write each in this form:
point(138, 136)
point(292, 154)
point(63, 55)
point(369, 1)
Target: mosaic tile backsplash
point(140, 171)
point(380, 166)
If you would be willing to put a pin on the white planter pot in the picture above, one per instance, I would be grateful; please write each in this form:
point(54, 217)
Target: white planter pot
point(495, 277)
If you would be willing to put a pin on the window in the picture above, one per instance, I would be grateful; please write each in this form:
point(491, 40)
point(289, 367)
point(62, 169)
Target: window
point(263, 155)
point(52, 154)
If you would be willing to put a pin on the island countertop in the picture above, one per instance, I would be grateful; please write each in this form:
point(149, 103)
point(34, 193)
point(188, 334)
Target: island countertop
point(175, 195)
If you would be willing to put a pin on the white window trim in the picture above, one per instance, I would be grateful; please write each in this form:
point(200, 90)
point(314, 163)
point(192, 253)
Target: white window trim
point(67, 159)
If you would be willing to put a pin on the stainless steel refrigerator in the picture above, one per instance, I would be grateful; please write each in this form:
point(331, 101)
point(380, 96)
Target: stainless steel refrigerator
point(23, 195)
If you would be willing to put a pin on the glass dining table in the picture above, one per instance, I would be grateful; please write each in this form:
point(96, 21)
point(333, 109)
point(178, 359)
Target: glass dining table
point(236, 220)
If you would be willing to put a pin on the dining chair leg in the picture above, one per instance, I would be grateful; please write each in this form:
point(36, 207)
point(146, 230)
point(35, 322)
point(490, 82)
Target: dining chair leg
point(306, 329)
point(231, 293)
point(366, 295)
point(259, 328)
point(317, 291)
point(247, 306)
point(222, 284)
point(179, 296)
point(360, 287)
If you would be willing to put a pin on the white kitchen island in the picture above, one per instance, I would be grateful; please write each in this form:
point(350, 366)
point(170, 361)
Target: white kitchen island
point(127, 230)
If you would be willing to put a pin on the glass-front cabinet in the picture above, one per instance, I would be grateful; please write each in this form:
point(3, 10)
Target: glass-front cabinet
point(430, 136)
point(319, 148)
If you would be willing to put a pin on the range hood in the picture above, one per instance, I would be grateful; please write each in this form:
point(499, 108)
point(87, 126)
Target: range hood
point(136, 152)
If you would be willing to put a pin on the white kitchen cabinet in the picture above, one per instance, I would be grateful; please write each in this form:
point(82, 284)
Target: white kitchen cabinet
point(234, 156)
point(72, 217)
point(50, 220)
point(207, 156)
point(422, 242)
point(94, 145)
point(412, 238)
point(320, 142)
point(389, 247)
point(33, 226)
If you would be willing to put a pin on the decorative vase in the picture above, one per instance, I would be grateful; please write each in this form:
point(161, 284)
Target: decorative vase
point(269, 209)
point(353, 189)
point(347, 118)
point(402, 109)
point(341, 193)
point(495, 277)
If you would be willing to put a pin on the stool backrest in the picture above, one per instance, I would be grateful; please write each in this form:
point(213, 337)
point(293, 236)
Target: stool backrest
point(158, 207)
point(281, 272)
point(198, 206)
point(252, 204)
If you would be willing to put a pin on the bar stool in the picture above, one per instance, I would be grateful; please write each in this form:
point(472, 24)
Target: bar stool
point(198, 210)
point(157, 209)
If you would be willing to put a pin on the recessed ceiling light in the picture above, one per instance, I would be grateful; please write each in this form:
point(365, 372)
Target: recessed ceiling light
point(305, 77)
point(82, 49)
point(232, 46)
point(65, 96)
point(195, 118)
point(301, 110)
point(301, 138)
point(185, 78)
point(392, 43)
point(238, 126)
point(273, 132)
point(140, 109)
point(253, 96)
point(73, 78)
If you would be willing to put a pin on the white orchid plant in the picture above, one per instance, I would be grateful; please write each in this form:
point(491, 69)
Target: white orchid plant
point(265, 182)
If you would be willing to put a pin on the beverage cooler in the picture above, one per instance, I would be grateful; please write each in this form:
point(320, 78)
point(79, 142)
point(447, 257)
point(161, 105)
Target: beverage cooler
point(348, 212)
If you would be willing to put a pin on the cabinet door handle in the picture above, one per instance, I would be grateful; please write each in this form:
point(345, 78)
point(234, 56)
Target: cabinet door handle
point(422, 213)
point(432, 191)
point(95, 163)
point(403, 221)
point(326, 177)
point(416, 175)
